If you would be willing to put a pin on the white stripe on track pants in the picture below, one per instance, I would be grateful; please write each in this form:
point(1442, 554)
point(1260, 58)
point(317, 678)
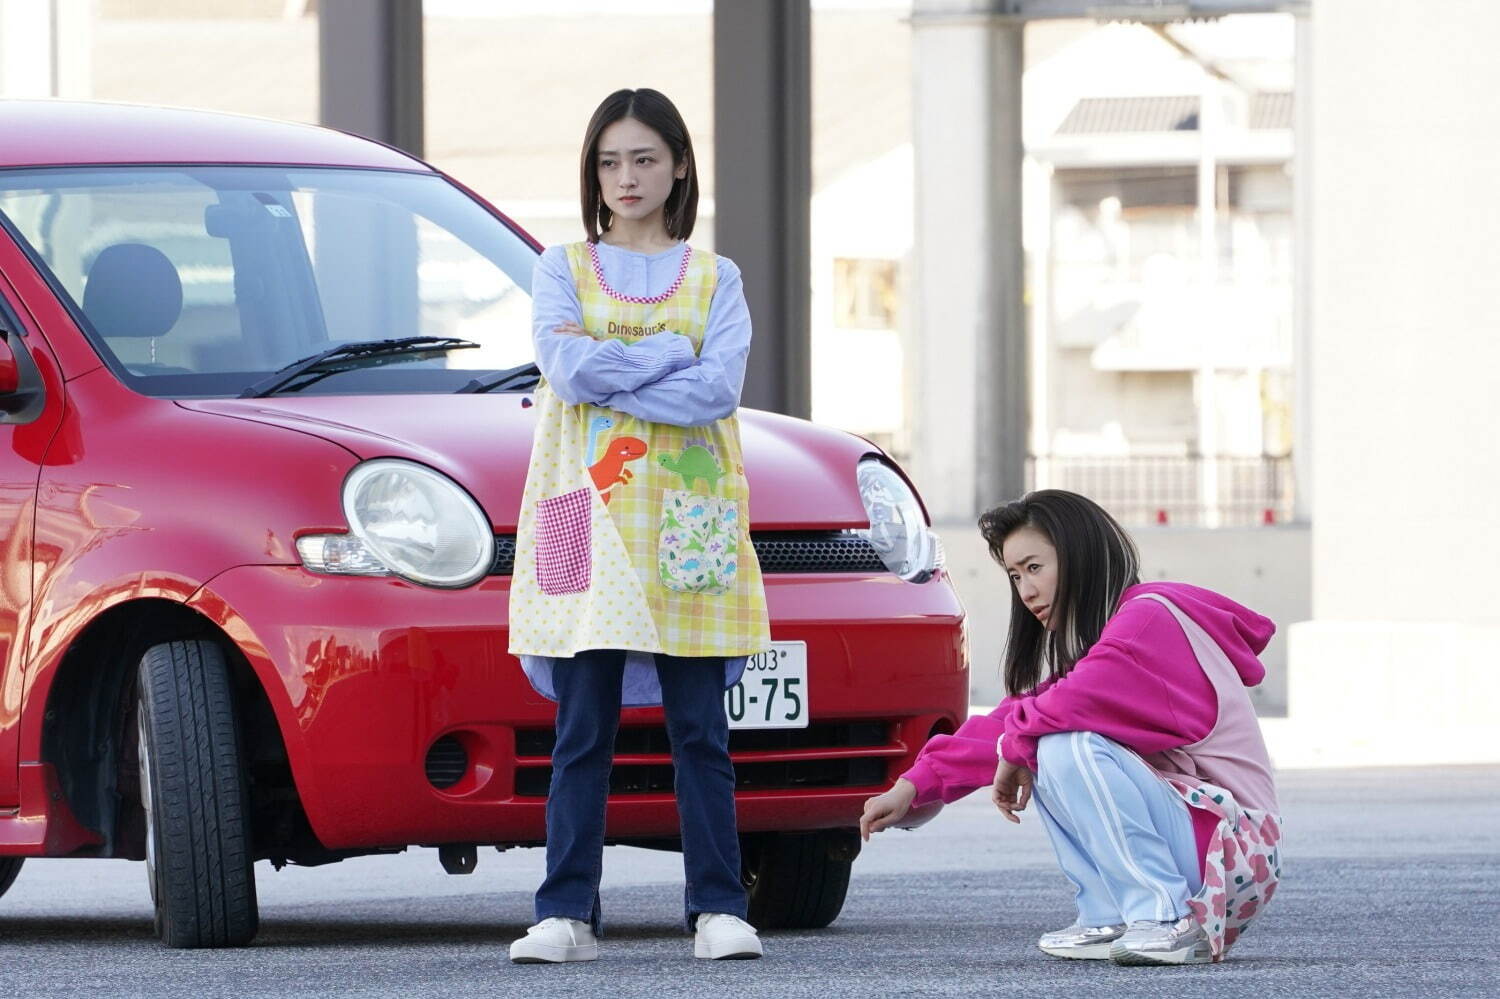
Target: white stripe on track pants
point(1121, 834)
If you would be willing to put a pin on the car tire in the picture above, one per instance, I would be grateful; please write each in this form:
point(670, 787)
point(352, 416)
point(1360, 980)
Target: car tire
point(195, 798)
point(795, 880)
point(9, 868)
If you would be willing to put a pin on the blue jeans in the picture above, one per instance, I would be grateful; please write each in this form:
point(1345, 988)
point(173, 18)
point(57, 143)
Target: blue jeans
point(588, 716)
point(1121, 834)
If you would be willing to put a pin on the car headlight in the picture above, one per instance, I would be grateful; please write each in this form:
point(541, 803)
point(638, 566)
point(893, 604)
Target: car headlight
point(408, 520)
point(898, 531)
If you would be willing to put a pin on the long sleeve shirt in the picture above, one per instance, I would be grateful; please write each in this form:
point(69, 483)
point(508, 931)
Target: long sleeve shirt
point(656, 378)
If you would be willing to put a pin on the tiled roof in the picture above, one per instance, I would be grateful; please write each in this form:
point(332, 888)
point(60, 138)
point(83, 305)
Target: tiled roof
point(1179, 113)
point(1271, 110)
point(1093, 115)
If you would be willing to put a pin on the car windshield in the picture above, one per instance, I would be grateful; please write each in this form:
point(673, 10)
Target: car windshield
point(271, 265)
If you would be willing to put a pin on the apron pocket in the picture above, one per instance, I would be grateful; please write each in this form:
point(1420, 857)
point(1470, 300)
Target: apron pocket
point(698, 546)
point(564, 543)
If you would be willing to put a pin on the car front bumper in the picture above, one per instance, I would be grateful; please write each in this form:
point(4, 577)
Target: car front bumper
point(364, 675)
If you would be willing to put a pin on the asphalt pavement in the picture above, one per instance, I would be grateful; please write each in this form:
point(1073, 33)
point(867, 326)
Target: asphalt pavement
point(1391, 887)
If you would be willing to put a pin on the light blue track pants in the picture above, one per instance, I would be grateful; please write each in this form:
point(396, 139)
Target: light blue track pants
point(1121, 834)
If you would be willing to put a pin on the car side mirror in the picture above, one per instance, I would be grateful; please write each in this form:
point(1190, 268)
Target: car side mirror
point(10, 372)
point(22, 397)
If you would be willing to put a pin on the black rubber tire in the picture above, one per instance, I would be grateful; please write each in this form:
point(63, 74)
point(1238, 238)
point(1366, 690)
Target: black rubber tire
point(794, 879)
point(9, 868)
point(199, 858)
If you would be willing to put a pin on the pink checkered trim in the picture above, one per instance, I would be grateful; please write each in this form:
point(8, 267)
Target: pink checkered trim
point(564, 543)
point(687, 255)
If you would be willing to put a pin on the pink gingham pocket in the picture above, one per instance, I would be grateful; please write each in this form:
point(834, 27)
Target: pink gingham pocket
point(564, 543)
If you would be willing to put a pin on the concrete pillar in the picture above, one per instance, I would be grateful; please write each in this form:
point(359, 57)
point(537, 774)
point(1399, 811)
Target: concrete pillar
point(763, 187)
point(370, 69)
point(25, 48)
point(1398, 663)
point(1304, 157)
point(970, 410)
point(45, 48)
point(1205, 378)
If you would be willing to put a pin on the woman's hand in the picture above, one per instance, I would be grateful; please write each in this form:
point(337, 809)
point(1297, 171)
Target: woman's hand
point(885, 810)
point(571, 329)
point(1011, 791)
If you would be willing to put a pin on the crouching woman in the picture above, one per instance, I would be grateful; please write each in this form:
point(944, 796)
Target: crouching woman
point(1130, 725)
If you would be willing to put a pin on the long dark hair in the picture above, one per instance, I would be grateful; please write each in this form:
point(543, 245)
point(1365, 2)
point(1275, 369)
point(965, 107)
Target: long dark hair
point(652, 109)
point(1096, 562)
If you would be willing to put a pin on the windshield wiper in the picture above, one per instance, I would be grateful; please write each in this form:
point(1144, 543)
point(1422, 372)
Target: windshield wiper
point(523, 376)
point(349, 356)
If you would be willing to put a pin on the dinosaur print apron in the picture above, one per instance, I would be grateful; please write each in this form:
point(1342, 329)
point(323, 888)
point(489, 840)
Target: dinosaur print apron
point(636, 535)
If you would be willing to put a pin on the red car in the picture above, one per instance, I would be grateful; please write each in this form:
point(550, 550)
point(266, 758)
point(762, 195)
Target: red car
point(264, 390)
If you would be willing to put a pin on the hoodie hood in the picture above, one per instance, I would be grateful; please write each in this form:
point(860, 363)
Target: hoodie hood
point(1240, 631)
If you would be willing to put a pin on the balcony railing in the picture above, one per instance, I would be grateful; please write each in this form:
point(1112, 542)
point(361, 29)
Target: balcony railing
point(1185, 490)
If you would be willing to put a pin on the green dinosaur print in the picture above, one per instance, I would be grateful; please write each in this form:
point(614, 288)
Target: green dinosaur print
point(697, 550)
point(695, 463)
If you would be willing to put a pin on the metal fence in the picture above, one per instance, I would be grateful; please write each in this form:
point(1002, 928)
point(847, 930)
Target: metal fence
point(1187, 490)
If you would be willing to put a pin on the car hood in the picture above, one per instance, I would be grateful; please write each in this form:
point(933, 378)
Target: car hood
point(802, 476)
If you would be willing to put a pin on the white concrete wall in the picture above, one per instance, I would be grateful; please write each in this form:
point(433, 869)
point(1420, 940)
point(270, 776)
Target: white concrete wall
point(1398, 664)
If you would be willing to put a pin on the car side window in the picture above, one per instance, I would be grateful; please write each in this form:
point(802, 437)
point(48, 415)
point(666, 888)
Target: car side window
point(202, 281)
point(107, 232)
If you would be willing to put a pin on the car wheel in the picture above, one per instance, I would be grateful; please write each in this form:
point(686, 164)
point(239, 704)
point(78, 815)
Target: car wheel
point(9, 868)
point(194, 796)
point(797, 880)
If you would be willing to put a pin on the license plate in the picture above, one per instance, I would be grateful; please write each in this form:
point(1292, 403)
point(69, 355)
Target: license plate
point(773, 691)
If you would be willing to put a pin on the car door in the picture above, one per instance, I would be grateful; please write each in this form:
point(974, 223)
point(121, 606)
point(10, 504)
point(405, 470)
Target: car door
point(29, 414)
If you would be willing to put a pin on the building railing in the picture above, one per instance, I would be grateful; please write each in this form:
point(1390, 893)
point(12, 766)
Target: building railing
point(1175, 490)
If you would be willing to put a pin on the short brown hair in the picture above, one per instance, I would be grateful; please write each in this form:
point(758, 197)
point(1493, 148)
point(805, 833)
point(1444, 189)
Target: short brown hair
point(652, 109)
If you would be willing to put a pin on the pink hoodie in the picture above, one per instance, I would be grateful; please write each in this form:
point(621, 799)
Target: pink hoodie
point(1140, 685)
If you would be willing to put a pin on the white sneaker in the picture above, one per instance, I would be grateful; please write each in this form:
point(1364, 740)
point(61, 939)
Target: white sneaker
point(721, 936)
point(1149, 942)
point(555, 940)
point(1087, 943)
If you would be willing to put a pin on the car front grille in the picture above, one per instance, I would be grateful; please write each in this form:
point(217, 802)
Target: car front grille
point(505, 555)
point(815, 551)
point(778, 552)
point(824, 755)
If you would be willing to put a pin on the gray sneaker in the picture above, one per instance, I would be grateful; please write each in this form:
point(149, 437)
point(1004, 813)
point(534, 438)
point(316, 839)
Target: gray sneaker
point(1087, 943)
point(1149, 942)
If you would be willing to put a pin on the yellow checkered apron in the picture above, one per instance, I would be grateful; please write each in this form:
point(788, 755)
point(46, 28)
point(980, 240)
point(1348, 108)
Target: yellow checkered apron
point(636, 535)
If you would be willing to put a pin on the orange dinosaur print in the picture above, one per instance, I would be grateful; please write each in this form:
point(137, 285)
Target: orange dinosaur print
point(610, 471)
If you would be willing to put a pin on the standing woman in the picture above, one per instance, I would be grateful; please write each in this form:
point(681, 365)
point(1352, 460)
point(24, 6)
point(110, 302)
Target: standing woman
point(635, 582)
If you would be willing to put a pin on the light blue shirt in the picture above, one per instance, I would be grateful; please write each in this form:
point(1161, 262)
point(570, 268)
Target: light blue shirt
point(656, 378)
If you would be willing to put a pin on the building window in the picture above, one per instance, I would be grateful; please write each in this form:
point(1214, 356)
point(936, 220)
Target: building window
point(865, 294)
